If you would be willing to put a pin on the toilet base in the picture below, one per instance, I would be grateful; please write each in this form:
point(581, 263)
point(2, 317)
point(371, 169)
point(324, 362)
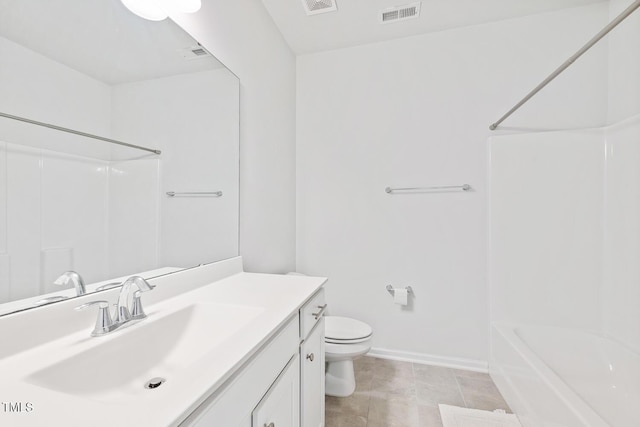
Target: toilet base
point(340, 380)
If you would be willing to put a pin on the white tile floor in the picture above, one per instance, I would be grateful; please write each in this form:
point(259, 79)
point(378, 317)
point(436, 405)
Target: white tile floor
point(402, 394)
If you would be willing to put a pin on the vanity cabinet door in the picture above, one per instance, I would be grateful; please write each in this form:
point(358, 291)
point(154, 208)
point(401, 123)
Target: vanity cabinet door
point(234, 404)
point(280, 407)
point(312, 377)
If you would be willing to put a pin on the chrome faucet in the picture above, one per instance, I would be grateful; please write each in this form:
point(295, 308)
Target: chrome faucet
point(104, 324)
point(74, 278)
point(123, 311)
point(124, 314)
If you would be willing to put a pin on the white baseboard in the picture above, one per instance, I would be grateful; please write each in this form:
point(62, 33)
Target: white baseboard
point(430, 359)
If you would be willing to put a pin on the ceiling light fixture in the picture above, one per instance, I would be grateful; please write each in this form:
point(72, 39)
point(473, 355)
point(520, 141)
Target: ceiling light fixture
point(157, 10)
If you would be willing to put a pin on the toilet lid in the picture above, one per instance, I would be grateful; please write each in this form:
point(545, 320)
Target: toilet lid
point(338, 328)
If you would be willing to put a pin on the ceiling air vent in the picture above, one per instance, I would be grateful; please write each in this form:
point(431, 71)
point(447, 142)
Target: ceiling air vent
point(194, 52)
point(313, 7)
point(199, 51)
point(399, 13)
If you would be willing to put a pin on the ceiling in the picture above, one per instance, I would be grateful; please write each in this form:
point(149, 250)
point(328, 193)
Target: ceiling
point(101, 38)
point(356, 21)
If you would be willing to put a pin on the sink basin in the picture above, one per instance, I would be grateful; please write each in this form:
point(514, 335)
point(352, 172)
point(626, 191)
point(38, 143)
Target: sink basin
point(159, 346)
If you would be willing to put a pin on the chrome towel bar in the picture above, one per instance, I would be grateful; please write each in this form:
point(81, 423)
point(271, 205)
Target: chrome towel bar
point(464, 187)
point(194, 193)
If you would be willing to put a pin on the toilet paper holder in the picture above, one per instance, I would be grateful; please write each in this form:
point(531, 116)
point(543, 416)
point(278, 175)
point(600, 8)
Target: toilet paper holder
point(392, 290)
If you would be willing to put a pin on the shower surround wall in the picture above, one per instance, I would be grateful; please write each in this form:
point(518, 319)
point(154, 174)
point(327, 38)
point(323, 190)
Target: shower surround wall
point(621, 317)
point(565, 240)
point(415, 112)
point(56, 216)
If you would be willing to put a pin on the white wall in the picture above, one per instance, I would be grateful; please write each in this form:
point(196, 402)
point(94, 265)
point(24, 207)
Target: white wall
point(415, 112)
point(193, 118)
point(36, 87)
point(242, 35)
point(133, 228)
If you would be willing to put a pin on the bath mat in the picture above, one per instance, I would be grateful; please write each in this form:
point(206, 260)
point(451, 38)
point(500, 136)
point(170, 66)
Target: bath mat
point(453, 416)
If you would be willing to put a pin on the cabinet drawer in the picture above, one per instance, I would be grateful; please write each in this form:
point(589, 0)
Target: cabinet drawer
point(311, 312)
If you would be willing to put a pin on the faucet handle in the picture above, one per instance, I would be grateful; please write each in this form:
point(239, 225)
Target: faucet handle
point(123, 315)
point(138, 311)
point(104, 323)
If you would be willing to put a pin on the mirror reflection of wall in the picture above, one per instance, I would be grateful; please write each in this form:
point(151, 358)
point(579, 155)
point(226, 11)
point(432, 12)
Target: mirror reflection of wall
point(69, 202)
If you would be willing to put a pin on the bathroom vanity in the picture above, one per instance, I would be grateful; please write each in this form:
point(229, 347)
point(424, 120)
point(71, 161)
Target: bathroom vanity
point(220, 347)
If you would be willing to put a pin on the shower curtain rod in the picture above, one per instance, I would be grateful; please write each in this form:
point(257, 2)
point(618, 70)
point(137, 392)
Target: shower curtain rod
point(628, 11)
point(77, 132)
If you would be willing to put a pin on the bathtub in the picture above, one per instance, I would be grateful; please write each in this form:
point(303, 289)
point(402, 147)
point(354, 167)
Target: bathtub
point(554, 377)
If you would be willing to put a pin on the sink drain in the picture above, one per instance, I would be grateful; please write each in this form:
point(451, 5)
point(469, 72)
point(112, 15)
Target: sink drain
point(154, 383)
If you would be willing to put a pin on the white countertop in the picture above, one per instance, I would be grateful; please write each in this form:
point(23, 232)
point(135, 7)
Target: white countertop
point(277, 298)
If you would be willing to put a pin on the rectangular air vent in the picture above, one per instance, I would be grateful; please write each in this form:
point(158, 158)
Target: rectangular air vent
point(313, 7)
point(199, 51)
point(194, 52)
point(399, 13)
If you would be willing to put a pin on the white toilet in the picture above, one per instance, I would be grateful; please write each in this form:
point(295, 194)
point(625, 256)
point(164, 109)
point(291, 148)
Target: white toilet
point(345, 339)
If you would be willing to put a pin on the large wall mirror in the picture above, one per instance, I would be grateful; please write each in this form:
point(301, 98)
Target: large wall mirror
point(72, 202)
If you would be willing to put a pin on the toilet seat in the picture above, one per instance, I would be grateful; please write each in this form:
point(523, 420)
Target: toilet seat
point(344, 330)
point(354, 341)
